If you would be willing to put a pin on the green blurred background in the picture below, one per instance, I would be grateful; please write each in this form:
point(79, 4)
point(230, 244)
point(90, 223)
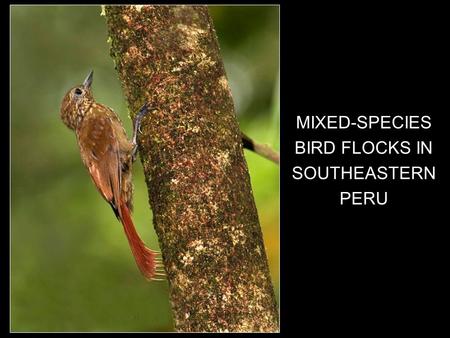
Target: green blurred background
point(71, 266)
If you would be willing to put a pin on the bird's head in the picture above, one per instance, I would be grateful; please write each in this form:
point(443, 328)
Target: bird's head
point(76, 103)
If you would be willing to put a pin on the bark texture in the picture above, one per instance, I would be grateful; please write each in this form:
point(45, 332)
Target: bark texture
point(198, 182)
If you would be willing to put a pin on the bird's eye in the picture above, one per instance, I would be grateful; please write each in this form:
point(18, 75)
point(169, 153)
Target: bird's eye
point(78, 91)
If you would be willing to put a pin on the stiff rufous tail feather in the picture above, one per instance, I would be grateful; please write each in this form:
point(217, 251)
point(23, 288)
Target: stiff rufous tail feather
point(146, 259)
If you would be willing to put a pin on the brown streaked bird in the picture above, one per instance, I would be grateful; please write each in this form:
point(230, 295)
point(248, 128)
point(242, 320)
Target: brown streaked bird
point(108, 155)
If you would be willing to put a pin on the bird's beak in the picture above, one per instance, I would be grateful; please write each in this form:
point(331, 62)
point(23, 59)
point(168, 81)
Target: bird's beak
point(88, 82)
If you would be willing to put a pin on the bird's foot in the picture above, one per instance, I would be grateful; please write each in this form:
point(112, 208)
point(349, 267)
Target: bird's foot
point(137, 128)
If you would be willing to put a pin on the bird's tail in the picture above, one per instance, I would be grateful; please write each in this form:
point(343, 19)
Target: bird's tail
point(146, 259)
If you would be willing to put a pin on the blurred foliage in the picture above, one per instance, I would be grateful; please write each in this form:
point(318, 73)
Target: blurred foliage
point(71, 266)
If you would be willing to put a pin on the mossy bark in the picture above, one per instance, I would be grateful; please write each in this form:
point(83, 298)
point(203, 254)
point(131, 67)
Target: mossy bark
point(199, 187)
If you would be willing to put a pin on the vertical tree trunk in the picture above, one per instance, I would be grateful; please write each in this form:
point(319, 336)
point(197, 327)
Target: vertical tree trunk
point(198, 182)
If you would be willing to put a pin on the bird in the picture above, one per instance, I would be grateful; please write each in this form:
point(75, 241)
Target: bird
point(108, 156)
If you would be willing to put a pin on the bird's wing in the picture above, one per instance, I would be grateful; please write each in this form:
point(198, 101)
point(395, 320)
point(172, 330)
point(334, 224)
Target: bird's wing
point(100, 153)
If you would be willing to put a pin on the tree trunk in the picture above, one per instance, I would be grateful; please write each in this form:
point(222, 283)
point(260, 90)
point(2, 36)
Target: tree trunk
point(198, 182)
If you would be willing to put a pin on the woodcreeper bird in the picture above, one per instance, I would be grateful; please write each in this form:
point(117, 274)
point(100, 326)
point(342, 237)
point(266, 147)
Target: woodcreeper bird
point(108, 155)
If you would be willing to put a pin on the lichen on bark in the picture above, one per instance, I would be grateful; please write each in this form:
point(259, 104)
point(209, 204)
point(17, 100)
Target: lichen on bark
point(198, 182)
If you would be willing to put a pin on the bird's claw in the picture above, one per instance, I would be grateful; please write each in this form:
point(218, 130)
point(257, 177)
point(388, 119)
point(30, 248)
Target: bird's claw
point(137, 127)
